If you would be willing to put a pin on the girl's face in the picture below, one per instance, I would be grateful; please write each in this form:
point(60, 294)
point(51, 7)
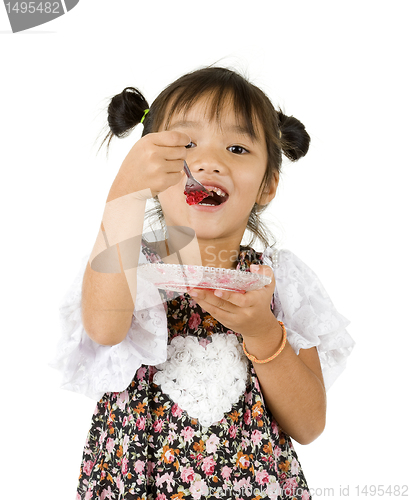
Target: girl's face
point(220, 156)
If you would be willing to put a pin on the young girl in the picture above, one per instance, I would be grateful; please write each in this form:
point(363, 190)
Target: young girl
point(199, 393)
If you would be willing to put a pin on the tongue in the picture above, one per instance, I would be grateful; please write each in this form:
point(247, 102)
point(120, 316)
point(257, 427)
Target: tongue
point(209, 200)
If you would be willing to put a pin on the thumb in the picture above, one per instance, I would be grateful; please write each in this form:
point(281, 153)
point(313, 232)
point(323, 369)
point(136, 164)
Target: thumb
point(261, 269)
point(265, 271)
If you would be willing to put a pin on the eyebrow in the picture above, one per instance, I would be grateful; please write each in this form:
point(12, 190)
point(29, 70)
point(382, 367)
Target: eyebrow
point(192, 124)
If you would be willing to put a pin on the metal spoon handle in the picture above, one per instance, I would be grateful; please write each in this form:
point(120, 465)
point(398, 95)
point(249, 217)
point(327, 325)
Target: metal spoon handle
point(192, 184)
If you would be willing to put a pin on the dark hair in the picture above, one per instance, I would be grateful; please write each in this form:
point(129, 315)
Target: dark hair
point(125, 111)
point(283, 134)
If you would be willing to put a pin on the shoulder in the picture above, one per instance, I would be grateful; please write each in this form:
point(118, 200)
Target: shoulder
point(287, 258)
point(310, 317)
point(286, 265)
point(289, 268)
point(297, 285)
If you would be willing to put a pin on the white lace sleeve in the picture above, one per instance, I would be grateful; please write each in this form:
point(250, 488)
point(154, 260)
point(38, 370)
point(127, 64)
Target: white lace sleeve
point(93, 369)
point(308, 314)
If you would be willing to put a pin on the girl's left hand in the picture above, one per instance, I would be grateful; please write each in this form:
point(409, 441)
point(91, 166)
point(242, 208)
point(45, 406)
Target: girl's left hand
point(246, 313)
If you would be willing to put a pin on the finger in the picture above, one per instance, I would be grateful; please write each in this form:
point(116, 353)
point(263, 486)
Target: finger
point(174, 177)
point(208, 297)
point(165, 165)
point(223, 316)
point(170, 153)
point(238, 299)
point(171, 138)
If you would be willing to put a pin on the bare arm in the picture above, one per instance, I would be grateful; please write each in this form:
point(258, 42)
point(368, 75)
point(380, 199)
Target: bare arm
point(292, 385)
point(109, 290)
point(110, 281)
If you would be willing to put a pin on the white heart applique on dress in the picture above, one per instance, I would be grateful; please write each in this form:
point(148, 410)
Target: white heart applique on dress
point(204, 380)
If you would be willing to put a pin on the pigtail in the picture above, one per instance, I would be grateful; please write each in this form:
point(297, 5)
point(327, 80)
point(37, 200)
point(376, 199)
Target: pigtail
point(294, 138)
point(125, 111)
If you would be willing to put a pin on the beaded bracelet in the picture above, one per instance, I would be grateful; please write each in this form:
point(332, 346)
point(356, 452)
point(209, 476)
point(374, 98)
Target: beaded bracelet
point(261, 361)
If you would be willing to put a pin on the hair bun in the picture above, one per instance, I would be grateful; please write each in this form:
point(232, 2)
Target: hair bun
point(295, 139)
point(125, 111)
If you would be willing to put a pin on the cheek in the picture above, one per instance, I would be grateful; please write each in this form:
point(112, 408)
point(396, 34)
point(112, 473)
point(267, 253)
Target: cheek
point(251, 185)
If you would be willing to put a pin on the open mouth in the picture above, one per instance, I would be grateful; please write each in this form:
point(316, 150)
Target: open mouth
point(218, 196)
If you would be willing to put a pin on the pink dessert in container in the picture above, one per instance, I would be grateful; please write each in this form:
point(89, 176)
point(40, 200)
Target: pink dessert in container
point(182, 278)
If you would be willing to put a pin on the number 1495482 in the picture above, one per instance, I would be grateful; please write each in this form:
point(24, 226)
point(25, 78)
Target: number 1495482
point(34, 7)
point(382, 490)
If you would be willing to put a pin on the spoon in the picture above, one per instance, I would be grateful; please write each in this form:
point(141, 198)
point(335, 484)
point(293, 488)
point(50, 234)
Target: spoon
point(194, 191)
point(192, 185)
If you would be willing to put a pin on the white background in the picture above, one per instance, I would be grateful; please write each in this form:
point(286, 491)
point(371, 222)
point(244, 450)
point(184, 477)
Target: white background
point(342, 69)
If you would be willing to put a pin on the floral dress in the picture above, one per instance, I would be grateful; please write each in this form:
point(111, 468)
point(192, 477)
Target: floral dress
point(196, 425)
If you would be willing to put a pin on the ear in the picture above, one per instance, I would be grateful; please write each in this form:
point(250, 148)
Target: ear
point(269, 192)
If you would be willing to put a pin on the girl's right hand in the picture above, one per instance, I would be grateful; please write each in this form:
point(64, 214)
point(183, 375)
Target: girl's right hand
point(156, 162)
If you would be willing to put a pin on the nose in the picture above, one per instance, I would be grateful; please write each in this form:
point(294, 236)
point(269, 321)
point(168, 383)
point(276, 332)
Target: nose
point(206, 162)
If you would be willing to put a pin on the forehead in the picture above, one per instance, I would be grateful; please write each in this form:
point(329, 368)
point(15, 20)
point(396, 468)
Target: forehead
point(222, 110)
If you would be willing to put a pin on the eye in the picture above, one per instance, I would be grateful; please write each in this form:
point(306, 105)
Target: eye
point(238, 150)
point(190, 145)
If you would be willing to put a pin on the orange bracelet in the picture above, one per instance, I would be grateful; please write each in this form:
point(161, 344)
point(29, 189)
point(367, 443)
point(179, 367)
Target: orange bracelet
point(261, 361)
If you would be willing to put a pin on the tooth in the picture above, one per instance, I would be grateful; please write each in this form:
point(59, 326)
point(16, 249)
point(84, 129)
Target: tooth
point(218, 191)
